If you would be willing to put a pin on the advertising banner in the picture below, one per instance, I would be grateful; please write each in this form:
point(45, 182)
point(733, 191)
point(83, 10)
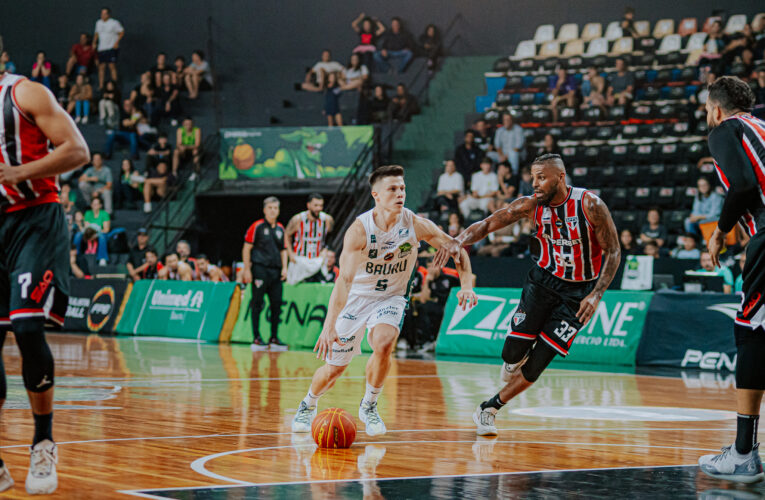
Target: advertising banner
point(181, 309)
point(690, 330)
point(302, 153)
point(94, 304)
point(611, 336)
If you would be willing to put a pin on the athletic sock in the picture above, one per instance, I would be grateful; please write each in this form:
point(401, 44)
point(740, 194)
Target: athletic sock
point(43, 428)
point(372, 394)
point(494, 404)
point(1, 463)
point(310, 400)
point(746, 434)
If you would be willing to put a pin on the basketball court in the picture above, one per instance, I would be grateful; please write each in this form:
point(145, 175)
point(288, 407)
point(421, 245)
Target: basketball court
point(158, 419)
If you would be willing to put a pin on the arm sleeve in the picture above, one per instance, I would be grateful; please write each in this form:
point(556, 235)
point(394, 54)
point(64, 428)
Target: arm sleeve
point(735, 171)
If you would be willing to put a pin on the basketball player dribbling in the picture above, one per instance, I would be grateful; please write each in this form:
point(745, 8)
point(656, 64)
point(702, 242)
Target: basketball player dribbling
point(34, 250)
point(579, 255)
point(377, 267)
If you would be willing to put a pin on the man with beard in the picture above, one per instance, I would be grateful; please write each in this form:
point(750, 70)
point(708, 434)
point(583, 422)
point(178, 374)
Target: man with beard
point(175, 269)
point(578, 256)
point(306, 237)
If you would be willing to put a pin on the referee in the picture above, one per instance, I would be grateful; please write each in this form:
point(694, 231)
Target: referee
point(265, 266)
point(737, 143)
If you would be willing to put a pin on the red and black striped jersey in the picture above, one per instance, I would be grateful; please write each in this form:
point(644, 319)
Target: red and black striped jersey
point(21, 141)
point(738, 147)
point(569, 248)
point(310, 235)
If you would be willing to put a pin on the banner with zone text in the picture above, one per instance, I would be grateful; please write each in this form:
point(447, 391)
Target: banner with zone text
point(611, 337)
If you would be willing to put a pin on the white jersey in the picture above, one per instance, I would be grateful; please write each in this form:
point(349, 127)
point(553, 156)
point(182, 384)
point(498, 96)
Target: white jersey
point(391, 258)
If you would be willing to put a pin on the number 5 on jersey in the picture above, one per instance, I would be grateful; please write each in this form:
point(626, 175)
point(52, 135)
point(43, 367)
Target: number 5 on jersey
point(381, 285)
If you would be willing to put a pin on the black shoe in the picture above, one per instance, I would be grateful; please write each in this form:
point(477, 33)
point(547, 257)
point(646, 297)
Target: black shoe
point(258, 344)
point(276, 345)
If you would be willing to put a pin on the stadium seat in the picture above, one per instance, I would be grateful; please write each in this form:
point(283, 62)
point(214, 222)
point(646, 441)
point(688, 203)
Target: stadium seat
point(739, 69)
point(567, 115)
point(655, 174)
point(579, 175)
point(550, 64)
point(539, 82)
point(674, 220)
point(541, 115)
point(735, 24)
point(513, 83)
point(617, 198)
point(640, 197)
point(578, 134)
point(629, 175)
point(609, 176)
point(656, 130)
point(694, 151)
point(709, 22)
point(701, 128)
point(670, 43)
point(666, 111)
point(549, 49)
point(649, 93)
point(568, 32)
point(622, 46)
point(525, 65)
point(671, 152)
point(592, 114)
point(501, 65)
point(643, 28)
point(629, 131)
point(597, 47)
point(573, 48)
point(503, 99)
point(664, 196)
point(591, 31)
point(695, 42)
point(619, 153)
point(526, 99)
point(687, 26)
point(683, 173)
point(663, 27)
point(629, 219)
point(604, 133)
point(613, 31)
point(641, 112)
point(643, 153)
point(685, 197)
point(525, 50)
point(544, 33)
point(617, 113)
point(689, 74)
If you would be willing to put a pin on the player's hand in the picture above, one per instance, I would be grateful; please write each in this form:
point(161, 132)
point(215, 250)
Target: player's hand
point(247, 276)
point(284, 274)
point(588, 307)
point(715, 245)
point(11, 175)
point(293, 258)
point(466, 298)
point(449, 249)
point(323, 347)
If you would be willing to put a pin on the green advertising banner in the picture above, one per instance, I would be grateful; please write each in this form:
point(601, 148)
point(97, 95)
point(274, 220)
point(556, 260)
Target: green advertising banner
point(611, 336)
point(180, 309)
point(303, 153)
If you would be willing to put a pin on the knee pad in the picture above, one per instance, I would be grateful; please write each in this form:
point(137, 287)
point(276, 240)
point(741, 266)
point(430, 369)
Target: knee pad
point(750, 359)
point(36, 358)
point(539, 357)
point(515, 350)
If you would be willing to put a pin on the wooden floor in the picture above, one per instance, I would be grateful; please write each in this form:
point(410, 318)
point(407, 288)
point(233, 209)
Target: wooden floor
point(163, 419)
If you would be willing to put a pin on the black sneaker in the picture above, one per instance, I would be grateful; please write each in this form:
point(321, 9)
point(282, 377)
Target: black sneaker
point(276, 345)
point(258, 344)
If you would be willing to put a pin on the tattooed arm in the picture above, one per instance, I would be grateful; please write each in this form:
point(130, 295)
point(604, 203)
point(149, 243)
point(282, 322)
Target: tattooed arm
point(600, 219)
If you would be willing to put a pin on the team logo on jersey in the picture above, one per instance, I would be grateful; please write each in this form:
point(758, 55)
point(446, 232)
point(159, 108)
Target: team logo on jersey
point(279, 233)
point(572, 223)
point(388, 244)
point(518, 317)
point(546, 215)
point(404, 250)
point(558, 223)
point(372, 238)
point(403, 232)
point(372, 253)
point(388, 256)
point(349, 316)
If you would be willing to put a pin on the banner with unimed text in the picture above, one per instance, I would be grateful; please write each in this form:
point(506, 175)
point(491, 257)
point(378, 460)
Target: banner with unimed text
point(611, 337)
point(94, 304)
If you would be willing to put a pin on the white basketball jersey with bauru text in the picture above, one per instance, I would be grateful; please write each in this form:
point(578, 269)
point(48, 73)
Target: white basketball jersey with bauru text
point(390, 258)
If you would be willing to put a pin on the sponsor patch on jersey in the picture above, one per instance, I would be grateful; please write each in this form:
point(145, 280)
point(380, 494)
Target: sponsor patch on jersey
point(403, 232)
point(546, 215)
point(388, 245)
point(388, 256)
point(372, 253)
point(349, 316)
point(558, 223)
point(372, 238)
point(404, 249)
point(518, 317)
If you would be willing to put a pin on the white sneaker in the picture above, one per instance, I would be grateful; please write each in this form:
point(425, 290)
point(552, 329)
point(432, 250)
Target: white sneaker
point(102, 262)
point(6, 481)
point(147, 207)
point(302, 420)
point(77, 119)
point(42, 478)
point(732, 466)
point(508, 370)
point(371, 418)
point(193, 176)
point(402, 345)
point(484, 421)
point(85, 120)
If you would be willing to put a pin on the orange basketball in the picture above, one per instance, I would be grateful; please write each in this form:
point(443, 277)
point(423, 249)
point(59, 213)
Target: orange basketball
point(333, 428)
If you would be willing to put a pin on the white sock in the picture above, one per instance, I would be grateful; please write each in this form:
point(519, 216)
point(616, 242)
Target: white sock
point(372, 393)
point(310, 400)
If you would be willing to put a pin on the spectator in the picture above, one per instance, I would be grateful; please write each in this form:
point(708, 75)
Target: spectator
point(160, 151)
point(314, 78)
point(188, 143)
point(97, 181)
point(127, 132)
point(207, 271)
point(174, 269)
point(109, 107)
point(688, 249)
point(454, 224)
point(484, 138)
point(78, 226)
point(369, 30)
point(508, 184)
point(106, 41)
point(403, 104)
point(6, 63)
point(332, 93)
point(759, 88)
point(549, 146)
point(467, 156)
point(707, 206)
point(379, 104)
point(198, 74)
point(509, 142)
point(183, 249)
point(594, 90)
point(156, 184)
point(135, 264)
point(329, 270)
point(80, 96)
point(396, 45)
point(697, 102)
point(621, 85)
point(738, 283)
point(747, 61)
point(653, 230)
point(708, 266)
point(151, 267)
point(651, 249)
point(563, 89)
point(160, 69)
point(628, 23)
point(91, 242)
point(129, 186)
point(168, 100)
point(356, 74)
point(430, 303)
point(627, 241)
point(525, 187)
point(81, 56)
point(41, 70)
point(62, 92)
point(98, 218)
point(179, 72)
point(430, 44)
point(451, 185)
point(144, 97)
point(499, 242)
point(76, 270)
point(483, 188)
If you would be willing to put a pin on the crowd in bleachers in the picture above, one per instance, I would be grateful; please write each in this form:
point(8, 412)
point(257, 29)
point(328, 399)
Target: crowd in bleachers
point(625, 110)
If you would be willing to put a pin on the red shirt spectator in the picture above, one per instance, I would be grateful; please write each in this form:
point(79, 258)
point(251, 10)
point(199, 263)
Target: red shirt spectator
point(81, 55)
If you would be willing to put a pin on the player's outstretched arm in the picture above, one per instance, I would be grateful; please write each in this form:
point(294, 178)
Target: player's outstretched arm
point(353, 244)
point(428, 231)
point(519, 209)
point(600, 218)
point(40, 106)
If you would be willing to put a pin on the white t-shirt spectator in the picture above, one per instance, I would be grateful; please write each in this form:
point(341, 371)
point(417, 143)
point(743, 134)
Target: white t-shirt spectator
point(108, 33)
point(453, 182)
point(328, 67)
point(484, 184)
point(353, 74)
point(204, 67)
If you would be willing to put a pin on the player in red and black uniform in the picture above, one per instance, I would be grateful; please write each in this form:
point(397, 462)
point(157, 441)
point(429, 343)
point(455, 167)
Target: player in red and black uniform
point(34, 250)
point(579, 255)
point(265, 266)
point(737, 143)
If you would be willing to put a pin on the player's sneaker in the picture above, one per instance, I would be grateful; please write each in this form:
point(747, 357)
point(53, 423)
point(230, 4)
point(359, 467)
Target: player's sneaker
point(258, 344)
point(371, 418)
point(276, 345)
point(484, 421)
point(508, 369)
point(732, 466)
point(301, 422)
point(6, 481)
point(42, 478)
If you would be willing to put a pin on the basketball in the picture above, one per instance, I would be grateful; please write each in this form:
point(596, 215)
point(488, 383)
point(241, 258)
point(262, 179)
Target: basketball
point(333, 428)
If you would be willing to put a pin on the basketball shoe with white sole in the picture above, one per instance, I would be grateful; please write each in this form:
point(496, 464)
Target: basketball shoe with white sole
point(732, 466)
point(484, 421)
point(42, 478)
point(6, 481)
point(302, 420)
point(371, 418)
